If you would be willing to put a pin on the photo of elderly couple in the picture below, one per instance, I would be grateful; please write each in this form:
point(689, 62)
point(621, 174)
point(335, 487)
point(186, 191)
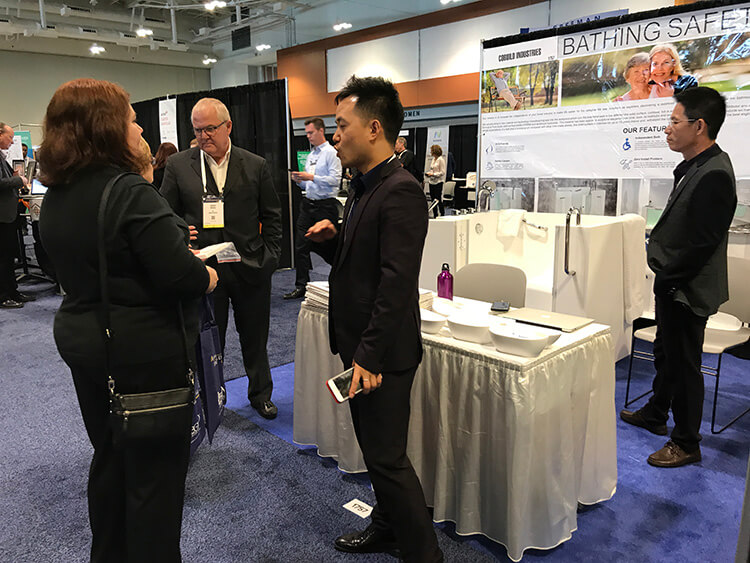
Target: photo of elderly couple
point(657, 71)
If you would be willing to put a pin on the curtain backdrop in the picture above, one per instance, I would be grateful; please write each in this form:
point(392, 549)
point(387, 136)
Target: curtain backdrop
point(462, 142)
point(259, 124)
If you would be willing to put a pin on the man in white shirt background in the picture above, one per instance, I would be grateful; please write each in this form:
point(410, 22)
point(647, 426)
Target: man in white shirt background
point(320, 182)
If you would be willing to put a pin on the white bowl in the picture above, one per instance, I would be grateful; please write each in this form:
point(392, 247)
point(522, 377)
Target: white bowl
point(445, 307)
point(431, 322)
point(470, 327)
point(519, 339)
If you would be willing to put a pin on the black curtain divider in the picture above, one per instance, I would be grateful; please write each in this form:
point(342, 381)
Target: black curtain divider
point(147, 115)
point(420, 145)
point(259, 124)
point(462, 142)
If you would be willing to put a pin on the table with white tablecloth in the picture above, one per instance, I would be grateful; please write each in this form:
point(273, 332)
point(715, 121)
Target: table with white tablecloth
point(504, 446)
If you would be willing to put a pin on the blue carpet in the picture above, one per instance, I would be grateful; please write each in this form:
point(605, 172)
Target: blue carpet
point(252, 497)
point(656, 515)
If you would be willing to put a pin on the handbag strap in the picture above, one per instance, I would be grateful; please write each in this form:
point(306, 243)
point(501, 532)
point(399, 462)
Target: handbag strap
point(105, 318)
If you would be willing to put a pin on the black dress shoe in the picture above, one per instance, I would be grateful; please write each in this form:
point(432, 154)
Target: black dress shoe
point(23, 297)
point(636, 418)
point(266, 409)
point(369, 540)
point(11, 304)
point(297, 293)
point(672, 455)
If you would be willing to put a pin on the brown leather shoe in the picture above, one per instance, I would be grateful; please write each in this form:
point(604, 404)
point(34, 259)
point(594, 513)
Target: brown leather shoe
point(672, 455)
point(636, 418)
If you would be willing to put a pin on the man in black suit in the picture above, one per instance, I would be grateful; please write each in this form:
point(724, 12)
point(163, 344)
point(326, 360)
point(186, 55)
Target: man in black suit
point(373, 320)
point(406, 157)
point(687, 250)
point(228, 194)
point(10, 182)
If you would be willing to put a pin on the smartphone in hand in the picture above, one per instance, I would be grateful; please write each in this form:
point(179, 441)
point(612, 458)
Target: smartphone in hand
point(339, 385)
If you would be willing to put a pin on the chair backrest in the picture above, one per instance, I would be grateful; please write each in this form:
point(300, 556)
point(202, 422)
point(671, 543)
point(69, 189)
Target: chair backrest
point(448, 189)
point(738, 270)
point(491, 282)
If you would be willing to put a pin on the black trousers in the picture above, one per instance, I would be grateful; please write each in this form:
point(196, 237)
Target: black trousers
point(8, 252)
point(252, 312)
point(310, 212)
point(135, 494)
point(679, 382)
point(381, 423)
point(436, 193)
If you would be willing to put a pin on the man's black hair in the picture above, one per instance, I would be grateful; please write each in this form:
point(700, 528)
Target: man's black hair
point(316, 121)
point(377, 98)
point(704, 103)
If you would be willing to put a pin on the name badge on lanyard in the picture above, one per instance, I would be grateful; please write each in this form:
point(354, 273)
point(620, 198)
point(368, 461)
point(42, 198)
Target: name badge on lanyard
point(311, 164)
point(213, 212)
point(213, 206)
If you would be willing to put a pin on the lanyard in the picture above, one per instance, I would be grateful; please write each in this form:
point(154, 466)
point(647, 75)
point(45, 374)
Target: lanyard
point(203, 175)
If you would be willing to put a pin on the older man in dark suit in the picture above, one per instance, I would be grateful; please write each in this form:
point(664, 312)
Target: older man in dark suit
point(374, 312)
point(687, 250)
point(228, 194)
point(10, 182)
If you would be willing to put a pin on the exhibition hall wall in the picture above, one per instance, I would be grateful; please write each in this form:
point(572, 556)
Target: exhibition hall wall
point(30, 79)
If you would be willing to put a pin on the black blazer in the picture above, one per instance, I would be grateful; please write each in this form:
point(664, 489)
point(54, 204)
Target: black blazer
point(249, 201)
point(9, 185)
point(150, 269)
point(687, 248)
point(408, 162)
point(373, 314)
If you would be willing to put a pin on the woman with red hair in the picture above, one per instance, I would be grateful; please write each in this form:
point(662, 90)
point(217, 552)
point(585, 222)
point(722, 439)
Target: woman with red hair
point(135, 488)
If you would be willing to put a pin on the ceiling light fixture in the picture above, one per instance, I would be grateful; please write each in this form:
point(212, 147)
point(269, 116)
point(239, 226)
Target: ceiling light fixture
point(144, 32)
point(444, 2)
point(213, 4)
point(262, 47)
point(96, 49)
point(342, 25)
point(208, 60)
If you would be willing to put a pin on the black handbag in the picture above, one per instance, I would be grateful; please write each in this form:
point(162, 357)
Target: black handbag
point(137, 418)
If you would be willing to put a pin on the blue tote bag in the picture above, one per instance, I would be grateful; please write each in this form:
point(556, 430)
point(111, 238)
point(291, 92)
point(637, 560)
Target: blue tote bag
point(213, 392)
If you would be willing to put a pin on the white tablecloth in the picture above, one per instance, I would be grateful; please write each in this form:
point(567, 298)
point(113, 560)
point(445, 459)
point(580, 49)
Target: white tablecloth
point(504, 446)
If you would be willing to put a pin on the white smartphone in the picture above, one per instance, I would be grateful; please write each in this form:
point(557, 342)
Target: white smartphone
point(339, 385)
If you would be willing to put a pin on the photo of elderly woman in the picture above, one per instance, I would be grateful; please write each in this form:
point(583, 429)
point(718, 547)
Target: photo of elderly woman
point(667, 77)
point(636, 74)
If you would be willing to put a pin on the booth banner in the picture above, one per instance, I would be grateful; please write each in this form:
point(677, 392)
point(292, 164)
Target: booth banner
point(436, 136)
point(595, 104)
point(168, 122)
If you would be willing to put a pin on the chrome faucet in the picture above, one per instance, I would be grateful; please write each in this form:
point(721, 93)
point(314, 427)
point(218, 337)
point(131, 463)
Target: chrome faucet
point(572, 210)
point(484, 194)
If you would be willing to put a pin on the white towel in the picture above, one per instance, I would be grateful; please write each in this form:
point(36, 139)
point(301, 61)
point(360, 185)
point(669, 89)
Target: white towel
point(633, 265)
point(509, 223)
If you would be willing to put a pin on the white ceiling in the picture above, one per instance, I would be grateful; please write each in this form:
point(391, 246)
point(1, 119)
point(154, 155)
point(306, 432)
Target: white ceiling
point(70, 27)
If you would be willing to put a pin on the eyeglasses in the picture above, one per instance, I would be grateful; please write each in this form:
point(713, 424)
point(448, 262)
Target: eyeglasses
point(208, 129)
point(672, 121)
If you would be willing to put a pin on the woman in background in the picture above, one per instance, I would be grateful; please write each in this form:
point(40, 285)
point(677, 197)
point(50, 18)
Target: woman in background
point(636, 75)
point(135, 490)
point(145, 161)
point(164, 151)
point(435, 175)
point(667, 75)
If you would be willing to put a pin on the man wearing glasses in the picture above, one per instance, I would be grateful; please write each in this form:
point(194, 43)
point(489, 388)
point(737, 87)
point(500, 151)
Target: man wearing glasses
point(227, 193)
point(687, 251)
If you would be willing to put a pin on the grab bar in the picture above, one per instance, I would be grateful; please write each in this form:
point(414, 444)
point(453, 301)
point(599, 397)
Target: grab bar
point(567, 236)
point(540, 227)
